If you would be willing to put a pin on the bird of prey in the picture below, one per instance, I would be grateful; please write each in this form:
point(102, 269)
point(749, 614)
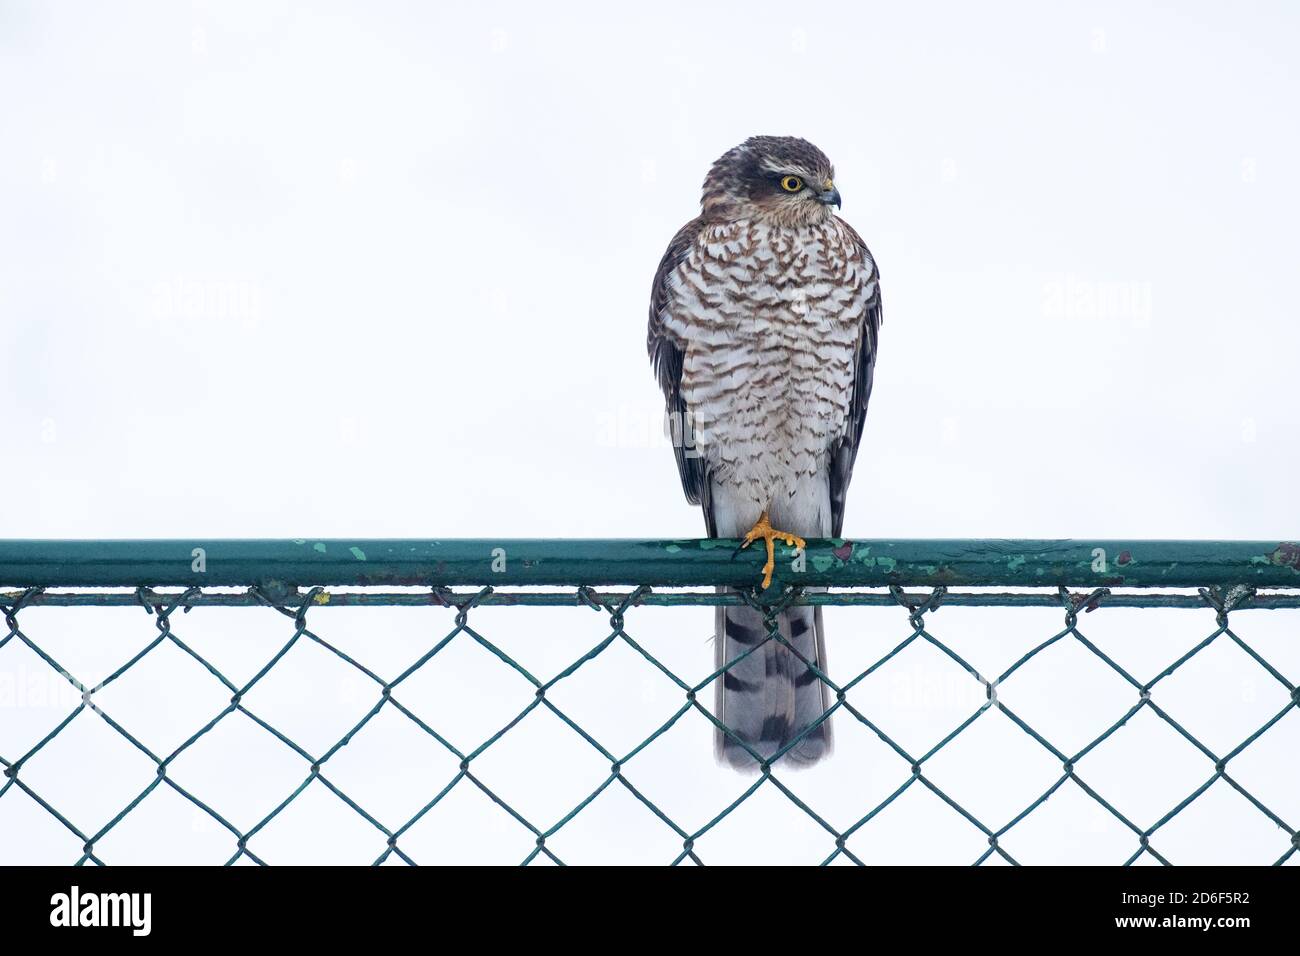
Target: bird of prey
point(764, 316)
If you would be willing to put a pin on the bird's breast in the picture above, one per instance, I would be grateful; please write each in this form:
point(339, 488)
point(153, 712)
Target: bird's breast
point(771, 318)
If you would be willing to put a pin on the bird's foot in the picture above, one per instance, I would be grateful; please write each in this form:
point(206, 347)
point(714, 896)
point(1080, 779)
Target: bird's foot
point(763, 529)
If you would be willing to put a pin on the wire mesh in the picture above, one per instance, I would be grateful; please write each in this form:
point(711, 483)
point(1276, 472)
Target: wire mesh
point(918, 609)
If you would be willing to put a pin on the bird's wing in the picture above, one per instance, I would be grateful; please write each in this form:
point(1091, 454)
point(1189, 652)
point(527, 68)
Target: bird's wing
point(668, 355)
point(845, 450)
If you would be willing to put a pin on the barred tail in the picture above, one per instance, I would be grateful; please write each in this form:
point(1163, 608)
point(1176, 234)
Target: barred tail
point(770, 697)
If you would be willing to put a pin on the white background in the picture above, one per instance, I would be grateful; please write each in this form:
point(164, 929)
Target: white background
point(273, 270)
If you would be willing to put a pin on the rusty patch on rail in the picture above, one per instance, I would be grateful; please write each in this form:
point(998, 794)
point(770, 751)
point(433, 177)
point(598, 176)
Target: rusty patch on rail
point(1287, 554)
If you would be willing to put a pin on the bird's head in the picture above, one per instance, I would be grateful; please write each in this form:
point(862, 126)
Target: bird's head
point(783, 179)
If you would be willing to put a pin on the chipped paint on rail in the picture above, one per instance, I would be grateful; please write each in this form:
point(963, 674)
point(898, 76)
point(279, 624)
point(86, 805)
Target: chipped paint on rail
point(840, 562)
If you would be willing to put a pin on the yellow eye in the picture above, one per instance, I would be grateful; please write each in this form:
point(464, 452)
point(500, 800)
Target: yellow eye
point(791, 184)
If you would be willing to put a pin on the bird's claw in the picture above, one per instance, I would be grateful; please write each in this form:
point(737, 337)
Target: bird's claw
point(763, 529)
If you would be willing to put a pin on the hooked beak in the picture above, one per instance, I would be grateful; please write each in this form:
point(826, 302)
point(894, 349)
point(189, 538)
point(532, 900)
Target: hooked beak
point(829, 196)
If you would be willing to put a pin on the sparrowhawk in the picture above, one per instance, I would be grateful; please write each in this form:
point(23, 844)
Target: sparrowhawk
point(764, 317)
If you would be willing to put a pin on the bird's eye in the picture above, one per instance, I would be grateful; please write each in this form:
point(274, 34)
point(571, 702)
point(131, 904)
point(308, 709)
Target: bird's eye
point(791, 184)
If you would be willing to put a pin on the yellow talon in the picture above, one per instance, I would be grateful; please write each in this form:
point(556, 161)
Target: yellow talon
point(763, 529)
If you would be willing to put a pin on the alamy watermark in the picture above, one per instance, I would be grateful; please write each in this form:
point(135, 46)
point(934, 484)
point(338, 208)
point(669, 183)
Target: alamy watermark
point(75, 908)
point(1068, 296)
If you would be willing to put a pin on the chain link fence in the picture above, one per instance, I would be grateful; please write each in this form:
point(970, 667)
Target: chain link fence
point(833, 837)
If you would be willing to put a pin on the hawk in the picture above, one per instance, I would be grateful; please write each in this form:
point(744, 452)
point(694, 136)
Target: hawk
point(764, 316)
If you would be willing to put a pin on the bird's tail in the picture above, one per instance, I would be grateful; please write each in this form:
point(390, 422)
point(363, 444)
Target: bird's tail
point(770, 697)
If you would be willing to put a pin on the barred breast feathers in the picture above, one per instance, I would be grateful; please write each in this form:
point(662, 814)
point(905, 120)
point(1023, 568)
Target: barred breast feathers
point(773, 318)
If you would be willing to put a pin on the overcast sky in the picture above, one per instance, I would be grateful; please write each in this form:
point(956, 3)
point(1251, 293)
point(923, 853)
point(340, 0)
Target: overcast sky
point(382, 269)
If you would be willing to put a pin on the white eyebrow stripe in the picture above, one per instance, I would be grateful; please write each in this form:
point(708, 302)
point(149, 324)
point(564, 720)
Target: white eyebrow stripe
point(776, 168)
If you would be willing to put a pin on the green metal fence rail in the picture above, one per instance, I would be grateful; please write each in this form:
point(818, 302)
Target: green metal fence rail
point(307, 576)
